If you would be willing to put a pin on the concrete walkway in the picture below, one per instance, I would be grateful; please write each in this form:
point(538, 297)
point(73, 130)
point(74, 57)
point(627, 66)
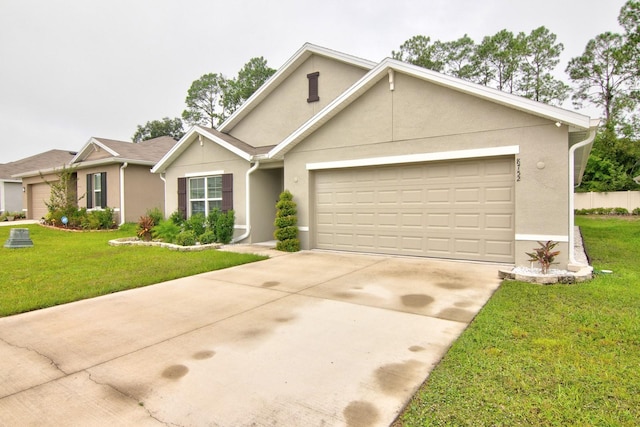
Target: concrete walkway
point(304, 339)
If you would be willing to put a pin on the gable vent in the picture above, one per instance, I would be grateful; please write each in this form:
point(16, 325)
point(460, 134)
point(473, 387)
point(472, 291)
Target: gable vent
point(313, 87)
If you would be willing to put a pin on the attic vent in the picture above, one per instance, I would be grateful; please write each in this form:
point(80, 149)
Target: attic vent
point(313, 87)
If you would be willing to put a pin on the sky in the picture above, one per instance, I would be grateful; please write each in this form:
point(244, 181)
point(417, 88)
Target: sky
point(75, 69)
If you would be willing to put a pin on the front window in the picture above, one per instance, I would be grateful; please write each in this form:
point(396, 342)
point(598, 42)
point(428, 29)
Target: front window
point(97, 189)
point(205, 194)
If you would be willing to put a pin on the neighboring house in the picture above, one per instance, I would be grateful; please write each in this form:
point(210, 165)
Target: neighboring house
point(388, 158)
point(11, 188)
point(106, 173)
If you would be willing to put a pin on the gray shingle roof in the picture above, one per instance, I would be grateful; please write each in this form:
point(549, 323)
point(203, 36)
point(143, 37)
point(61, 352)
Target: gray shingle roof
point(47, 160)
point(151, 150)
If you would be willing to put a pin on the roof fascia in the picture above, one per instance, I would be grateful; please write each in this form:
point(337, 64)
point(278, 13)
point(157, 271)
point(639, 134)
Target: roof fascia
point(284, 71)
point(86, 150)
point(559, 115)
point(185, 141)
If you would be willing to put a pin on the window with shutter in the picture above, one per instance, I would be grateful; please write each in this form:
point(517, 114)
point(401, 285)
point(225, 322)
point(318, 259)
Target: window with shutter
point(313, 87)
point(182, 197)
point(204, 194)
point(97, 190)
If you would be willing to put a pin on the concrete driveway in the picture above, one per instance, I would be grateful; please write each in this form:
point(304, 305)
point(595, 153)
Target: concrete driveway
point(311, 338)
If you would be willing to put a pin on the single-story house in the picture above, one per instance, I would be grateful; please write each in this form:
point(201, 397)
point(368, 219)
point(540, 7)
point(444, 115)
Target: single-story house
point(388, 158)
point(11, 189)
point(106, 173)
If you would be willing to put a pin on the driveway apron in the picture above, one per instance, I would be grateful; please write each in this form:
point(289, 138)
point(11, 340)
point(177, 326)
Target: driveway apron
point(311, 338)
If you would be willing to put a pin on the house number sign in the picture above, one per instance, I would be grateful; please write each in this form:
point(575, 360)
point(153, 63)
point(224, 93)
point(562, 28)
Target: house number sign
point(518, 169)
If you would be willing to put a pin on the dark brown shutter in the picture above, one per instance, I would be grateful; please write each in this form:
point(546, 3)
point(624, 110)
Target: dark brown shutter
point(182, 197)
point(103, 190)
point(227, 192)
point(313, 87)
point(89, 191)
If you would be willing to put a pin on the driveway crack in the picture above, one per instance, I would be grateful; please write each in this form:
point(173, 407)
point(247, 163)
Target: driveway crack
point(33, 350)
point(130, 397)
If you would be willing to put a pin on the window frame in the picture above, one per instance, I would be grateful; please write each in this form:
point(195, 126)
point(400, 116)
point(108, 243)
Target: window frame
point(210, 203)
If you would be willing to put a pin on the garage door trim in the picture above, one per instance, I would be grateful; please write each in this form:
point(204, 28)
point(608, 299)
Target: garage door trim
point(417, 158)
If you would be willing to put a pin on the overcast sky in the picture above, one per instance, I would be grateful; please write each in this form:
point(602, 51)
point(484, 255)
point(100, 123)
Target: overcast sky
point(73, 69)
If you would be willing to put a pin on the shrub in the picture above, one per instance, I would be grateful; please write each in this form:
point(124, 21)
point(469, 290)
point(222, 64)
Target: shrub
point(212, 221)
point(196, 224)
point(207, 238)
point(145, 225)
point(104, 218)
point(156, 215)
point(636, 211)
point(224, 227)
point(286, 223)
point(176, 217)
point(186, 238)
point(290, 245)
point(167, 231)
point(620, 211)
point(544, 255)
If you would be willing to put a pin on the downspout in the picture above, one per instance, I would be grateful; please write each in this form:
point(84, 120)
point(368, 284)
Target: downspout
point(247, 203)
point(164, 180)
point(572, 161)
point(122, 168)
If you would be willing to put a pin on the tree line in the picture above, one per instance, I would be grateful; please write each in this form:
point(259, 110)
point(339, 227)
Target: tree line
point(605, 76)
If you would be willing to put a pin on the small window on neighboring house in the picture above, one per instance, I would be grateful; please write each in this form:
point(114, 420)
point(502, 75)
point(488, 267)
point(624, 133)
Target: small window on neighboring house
point(97, 190)
point(313, 87)
point(205, 194)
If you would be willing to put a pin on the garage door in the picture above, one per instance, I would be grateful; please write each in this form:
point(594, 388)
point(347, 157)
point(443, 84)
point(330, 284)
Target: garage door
point(39, 194)
point(455, 209)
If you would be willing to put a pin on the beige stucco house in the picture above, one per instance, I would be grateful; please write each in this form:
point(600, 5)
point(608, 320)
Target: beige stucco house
point(11, 188)
point(106, 173)
point(388, 158)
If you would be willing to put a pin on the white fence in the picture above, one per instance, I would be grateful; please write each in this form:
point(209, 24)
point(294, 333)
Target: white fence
point(615, 199)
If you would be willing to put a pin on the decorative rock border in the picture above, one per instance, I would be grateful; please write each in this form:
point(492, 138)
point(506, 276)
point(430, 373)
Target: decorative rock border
point(566, 277)
point(134, 241)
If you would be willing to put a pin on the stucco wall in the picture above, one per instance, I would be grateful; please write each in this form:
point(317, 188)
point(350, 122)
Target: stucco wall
point(420, 117)
point(143, 191)
point(202, 160)
point(286, 108)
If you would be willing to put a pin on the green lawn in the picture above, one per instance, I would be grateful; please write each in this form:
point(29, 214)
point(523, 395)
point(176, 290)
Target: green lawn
point(548, 355)
point(69, 266)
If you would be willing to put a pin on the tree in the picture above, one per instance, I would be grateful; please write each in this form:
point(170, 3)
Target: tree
point(252, 75)
point(204, 100)
point(157, 128)
point(419, 50)
point(497, 58)
point(458, 57)
point(541, 54)
point(605, 76)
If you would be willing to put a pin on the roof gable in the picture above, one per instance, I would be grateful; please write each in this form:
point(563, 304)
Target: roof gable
point(145, 152)
point(304, 53)
point(388, 68)
point(240, 148)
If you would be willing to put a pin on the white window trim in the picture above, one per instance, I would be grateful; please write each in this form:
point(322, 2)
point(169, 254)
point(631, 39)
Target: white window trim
point(203, 174)
point(205, 199)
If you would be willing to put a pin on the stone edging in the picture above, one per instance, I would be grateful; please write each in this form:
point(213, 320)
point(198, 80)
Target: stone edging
point(583, 275)
point(134, 241)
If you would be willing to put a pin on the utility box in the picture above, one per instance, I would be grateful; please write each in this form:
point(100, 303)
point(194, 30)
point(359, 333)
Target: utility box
point(19, 238)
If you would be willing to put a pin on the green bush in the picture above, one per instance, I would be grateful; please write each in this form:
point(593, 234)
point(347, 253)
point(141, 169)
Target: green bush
point(290, 245)
point(156, 215)
point(224, 227)
point(286, 233)
point(167, 231)
point(636, 211)
point(196, 223)
point(176, 217)
point(286, 221)
point(186, 238)
point(207, 238)
point(602, 211)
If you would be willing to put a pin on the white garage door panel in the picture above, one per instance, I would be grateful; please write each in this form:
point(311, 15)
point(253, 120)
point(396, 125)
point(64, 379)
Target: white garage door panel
point(459, 209)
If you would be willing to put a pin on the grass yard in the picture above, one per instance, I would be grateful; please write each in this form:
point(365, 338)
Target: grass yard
point(552, 355)
point(69, 266)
